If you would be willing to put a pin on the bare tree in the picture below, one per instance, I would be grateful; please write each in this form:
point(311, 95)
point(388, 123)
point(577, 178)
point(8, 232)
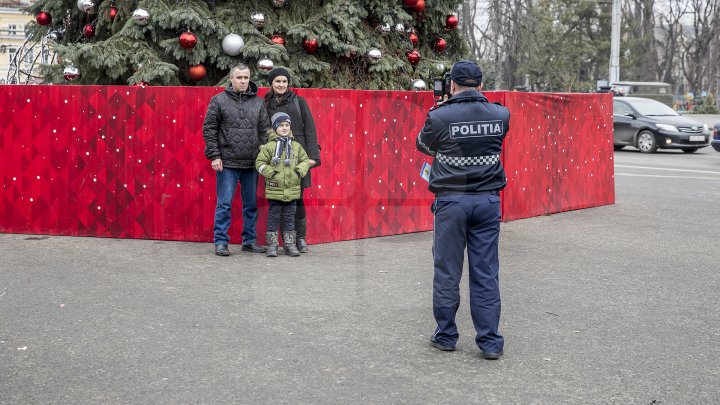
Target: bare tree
point(470, 28)
point(564, 45)
point(698, 44)
point(640, 56)
point(668, 41)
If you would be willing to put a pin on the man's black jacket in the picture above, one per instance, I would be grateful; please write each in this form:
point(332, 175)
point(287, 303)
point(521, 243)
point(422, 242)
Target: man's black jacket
point(235, 126)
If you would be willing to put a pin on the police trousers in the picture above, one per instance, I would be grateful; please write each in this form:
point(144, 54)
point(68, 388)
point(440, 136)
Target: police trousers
point(472, 221)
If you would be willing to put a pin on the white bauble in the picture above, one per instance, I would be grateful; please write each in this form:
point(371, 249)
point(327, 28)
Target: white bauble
point(232, 44)
point(419, 84)
point(86, 5)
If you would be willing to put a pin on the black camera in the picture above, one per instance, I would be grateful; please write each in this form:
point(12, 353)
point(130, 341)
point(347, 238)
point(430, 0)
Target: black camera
point(441, 87)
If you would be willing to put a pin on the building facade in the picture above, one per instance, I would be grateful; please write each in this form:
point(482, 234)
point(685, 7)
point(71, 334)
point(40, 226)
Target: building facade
point(19, 57)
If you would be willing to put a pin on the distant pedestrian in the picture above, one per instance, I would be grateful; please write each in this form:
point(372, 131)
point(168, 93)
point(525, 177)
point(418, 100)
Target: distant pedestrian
point(465, 136)
point(283, 163)
point(281, 99)
point(235, 126)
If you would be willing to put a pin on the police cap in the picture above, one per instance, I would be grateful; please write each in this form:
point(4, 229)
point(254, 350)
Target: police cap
point(466, 73)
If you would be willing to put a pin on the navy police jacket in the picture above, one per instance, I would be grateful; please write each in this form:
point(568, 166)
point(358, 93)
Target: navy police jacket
point(465, 136)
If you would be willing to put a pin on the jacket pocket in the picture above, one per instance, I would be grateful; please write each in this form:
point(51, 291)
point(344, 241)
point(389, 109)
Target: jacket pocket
point(223, 138)
point(293, 179)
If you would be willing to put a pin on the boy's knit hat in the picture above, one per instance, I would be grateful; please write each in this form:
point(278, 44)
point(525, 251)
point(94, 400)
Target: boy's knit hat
point(279, 118)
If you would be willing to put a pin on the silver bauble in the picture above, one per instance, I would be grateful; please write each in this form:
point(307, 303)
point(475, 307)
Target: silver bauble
point(141, 16)
point(374, 55)
point(86, 5)
point(385, 28)
point(278, 3)
point(71, 73)
point(257, 19)
point(57, 35)
point(232, 44)
point(419, 84)
point(439, 68)
point(265, 65)
point(400, 28)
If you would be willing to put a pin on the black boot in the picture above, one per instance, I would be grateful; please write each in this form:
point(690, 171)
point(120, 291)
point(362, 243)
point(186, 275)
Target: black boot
point(301, 229)
point(272, 244)
point(289, 244)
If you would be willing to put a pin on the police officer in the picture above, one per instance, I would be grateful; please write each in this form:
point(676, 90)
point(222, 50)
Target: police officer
point(465, 136)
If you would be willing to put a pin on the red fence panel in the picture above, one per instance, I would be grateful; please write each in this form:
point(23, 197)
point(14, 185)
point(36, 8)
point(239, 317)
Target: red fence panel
point(127, 162)
point(559, 153)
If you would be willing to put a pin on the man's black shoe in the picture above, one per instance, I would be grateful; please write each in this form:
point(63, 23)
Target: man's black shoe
point(434, 343)
point(254, 248)
point(222, 250)
point(492, 355)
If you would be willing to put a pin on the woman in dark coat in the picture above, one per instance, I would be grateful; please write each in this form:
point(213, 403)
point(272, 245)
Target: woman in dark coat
point(281, 99)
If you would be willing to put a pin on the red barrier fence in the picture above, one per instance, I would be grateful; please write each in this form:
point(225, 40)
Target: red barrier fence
point(128, 162)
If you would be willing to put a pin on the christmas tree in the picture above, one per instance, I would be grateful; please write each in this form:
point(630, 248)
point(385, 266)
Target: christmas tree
point(366, 44)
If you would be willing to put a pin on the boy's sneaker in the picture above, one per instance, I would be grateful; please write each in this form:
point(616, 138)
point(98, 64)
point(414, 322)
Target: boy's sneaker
point(222, 250)
point(254, 248)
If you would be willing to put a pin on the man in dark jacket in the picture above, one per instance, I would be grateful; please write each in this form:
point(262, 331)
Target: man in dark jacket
point(465, 136)
point(235, 127)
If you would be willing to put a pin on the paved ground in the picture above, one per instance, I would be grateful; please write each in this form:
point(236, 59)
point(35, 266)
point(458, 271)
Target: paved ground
point(617, 304)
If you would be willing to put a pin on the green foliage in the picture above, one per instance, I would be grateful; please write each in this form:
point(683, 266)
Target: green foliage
point(706, 106)
point(125, 52)
point(562, 45)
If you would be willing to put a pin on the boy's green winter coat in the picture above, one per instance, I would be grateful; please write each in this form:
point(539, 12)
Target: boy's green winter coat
point(282, 183)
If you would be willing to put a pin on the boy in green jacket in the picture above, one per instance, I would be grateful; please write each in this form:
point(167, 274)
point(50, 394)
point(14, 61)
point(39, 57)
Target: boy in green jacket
point(283, 163)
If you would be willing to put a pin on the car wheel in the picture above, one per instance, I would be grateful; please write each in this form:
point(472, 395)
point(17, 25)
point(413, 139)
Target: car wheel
point(691, 150)
point(646, 142)
point(618, 147)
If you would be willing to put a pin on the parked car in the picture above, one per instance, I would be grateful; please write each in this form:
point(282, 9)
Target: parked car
point(716, 137)
point(650, 125)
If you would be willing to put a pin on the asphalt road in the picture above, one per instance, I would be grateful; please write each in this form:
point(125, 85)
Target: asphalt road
point(611, 305)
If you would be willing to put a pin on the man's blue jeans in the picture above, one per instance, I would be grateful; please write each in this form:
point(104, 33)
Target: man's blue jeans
point(226, 183)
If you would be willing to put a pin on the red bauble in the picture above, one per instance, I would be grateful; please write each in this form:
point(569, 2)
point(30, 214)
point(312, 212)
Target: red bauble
point(310, 45)
point(112, 13)
point(188, 40)
point(440, 45)
point(413, 57)
point(141, 84)
point(419, 6)
point(278, 39)
point(451, 22)
point(43, 18)
point(410, 3)
point(413, 38)
point(197, 72)
point(89, 30)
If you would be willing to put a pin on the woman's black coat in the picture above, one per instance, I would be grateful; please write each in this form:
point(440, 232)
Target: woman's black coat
point(301, 124)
